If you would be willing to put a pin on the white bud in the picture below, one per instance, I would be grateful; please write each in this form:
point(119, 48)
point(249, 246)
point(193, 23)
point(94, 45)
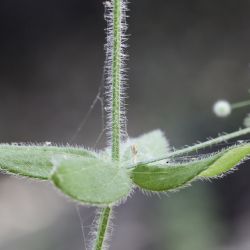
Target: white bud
point(222, 108)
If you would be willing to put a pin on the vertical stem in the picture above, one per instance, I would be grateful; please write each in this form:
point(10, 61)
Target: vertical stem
point(116, 65)
point(116, 81)
point(103, 227)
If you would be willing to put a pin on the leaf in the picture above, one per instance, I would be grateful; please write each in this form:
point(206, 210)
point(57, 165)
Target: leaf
point(34, 161)
point(167, 177)
point(230, 159)
point(92, 181)
point(148, 146)
point(171, 176)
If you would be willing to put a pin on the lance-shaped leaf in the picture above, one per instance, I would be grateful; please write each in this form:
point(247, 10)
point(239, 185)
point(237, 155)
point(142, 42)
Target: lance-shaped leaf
point(228, 160)
point(34, 161)
point(171, 176)
point(91, 180)
point(167, 177)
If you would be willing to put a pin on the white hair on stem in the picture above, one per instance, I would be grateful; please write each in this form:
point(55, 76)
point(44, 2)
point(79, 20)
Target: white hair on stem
point(115, 80)
point(95, 231)
point(115, 68)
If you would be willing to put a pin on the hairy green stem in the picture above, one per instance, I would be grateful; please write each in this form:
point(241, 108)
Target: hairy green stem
point(103, 227)
point(104, 219)
point(116, 81)
point(200, 145)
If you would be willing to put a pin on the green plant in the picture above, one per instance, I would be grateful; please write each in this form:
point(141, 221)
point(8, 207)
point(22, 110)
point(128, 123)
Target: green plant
point(108, 177)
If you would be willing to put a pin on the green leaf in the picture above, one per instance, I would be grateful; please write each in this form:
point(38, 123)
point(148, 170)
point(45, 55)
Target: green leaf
point(229, 159)
point(167, 177)
point(92, 181)
point(148, 146)
point(171, 176)
point(34, 161)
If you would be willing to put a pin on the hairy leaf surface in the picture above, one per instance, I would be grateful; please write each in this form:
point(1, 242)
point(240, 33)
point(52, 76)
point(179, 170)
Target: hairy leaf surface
point(170, 176)
point(148, 146)
point(34, 161)
point(166, 177)
point(228, 160)
point(92, 181)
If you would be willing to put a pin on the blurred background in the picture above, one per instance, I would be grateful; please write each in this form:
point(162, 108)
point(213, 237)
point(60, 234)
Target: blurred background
point(184, 55)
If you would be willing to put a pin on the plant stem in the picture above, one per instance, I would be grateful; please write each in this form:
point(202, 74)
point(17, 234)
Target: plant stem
point(240, 104)
point(116, 122)
point(103, 227)
point(116, 81)
point(200, 145)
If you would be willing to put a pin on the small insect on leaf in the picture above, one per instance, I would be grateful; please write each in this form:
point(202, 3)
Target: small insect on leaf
point(92, 181)
point(164, 177)
point(134, 152)
point(145, 147)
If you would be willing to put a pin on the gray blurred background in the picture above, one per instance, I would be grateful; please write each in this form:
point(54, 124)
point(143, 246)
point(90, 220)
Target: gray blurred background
point(184, 55)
